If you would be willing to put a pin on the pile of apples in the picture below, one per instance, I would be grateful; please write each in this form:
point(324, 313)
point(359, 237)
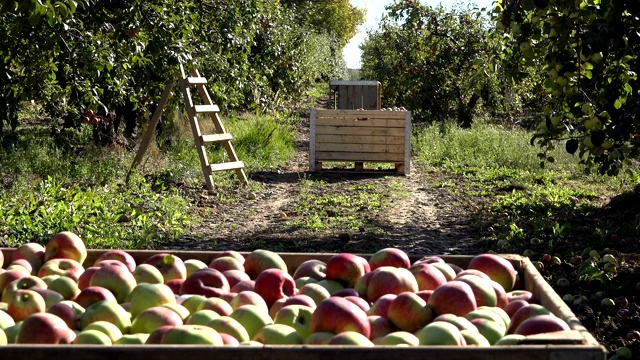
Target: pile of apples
point(49, 297)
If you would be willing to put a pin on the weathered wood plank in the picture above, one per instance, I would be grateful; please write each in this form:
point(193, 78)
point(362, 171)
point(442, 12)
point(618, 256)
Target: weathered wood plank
point(362, 156)
point(360, 139)
point(366, 131)
point(361, 122)
point(359, 148)
point(329, 113)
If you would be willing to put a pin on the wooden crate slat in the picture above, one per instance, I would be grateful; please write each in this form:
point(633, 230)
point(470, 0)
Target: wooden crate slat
point(364, 139)
point(359, 157)
point(323, 113)
point(361, 122)
point(362, 148)
point(367, 131)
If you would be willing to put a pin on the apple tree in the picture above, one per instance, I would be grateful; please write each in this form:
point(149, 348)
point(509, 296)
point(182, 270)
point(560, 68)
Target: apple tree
point(588, 50)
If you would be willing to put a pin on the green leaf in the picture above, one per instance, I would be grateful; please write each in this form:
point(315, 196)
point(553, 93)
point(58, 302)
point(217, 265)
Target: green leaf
point(617, 104)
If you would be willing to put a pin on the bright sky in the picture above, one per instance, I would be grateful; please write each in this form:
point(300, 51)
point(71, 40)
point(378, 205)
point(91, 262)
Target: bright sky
point(375, 10)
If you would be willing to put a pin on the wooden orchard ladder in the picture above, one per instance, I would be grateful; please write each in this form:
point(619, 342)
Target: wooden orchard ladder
point(206, 107)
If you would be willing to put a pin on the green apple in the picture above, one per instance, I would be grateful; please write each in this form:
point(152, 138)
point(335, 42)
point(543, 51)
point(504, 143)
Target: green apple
point(501, 312)
point(296, 316)
point(117, 279)
point(260, 259)
point(440, 333)
point(492, 330)
point(5, 320)
point(48, 279)
point(485, 313)
point(12, 332)
point(132, 339)
point(229, 325)
point(194, 265)
point(65, 286)
point(319, 338)
point(397, 338)
point(278, 334)
point(201, 317)
point(350, 338)
point(106, 310)
point(146, 295)
point(192, 335)
point(193, 303)
point(315, 291)
point(474, 338)
point(182, 311)
point(331, 285)
point(152, 318)
point(300, 282)
point(109, 329)
point(147, 273)
point(3, 338)
point(252, 318)
point(92, 337)
point(29, 282)
point(509, 339)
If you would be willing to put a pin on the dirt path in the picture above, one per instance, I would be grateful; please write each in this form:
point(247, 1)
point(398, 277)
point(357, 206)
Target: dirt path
point(424, 220)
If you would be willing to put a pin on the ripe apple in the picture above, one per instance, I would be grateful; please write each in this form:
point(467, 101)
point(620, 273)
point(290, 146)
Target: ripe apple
point(24, 303)
point(346, 292)
point(93, 294)
point(501, 295)
point(252, 318)
point(201, 317)
point(296, 316)
point(65, 245)
point(154, 317)
point(66, 287)
point(182, 311)
point(67, 310)
point(454, 297)
point(170, 266)
point(300, 299)
point(6, 320)
point(92, 337)
point(319, 338)
point(482, 289)
point(380, 326)
point(520, 295)
point(230, 326)
point(446, 269)
point(389, 257)
point(300, 282)
point(116, 279)
point(62, 267)
point(510, 339)
point(409, 312)
point(225, 263)
point(132, 339)
point(244, 285)
point(259, 260)
point(428, 276)
point(331, 285)
point(514, 305)
point(20, 264)
point(155, 337)
point(429, 260)
point(440, 333)
point(397, 338)
point(44, 328)
point(346, 269)
point(337, 314)
point(390, 280)
point(235, 276)
point(472, 272)
point(216, 304)
point(147, 273)
point(106, 310)
point(459, 321)
point(192, 335)
point(474, 338)
point(120, 255)
point(10, 276)
point(208, 282)
point(248, 297)
point(106, 328)
point(381, 306)
point(278, 334)
point(315, 269)
point(84, 280)
point(31, 252)
point(50, 297)
point(146, 295)
point(232, 253)
point(315, 291)
point(524, 313)
point(194, 265)
point(175, 285)
point(492, 330)
point(352, 338)
point(274, 284)
point(276, 306)
point(541, 324)
point(497, 268)
point(25, 283)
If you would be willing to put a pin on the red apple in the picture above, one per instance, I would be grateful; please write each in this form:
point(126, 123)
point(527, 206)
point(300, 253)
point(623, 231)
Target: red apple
point(300, 299)
point(228, 296)
point(170, 266)
point(154, 317)
point(27, 282)
point(44, 328)
point(337, 314)
point(259, 260)
point(520, 295)
point(454, 297)
point(541, 324)
point(482, 289)
point(429, 260)
point(244, 285)
point(380, 326)
point(31, 252)
point(389, 257)
point(235, 276)
point(225, 263)
point(62, 267)
point(501, 295)
point(11, 275)
point(65, 245)
point(312, 268)
point(472, 272)
point(514, 305)
point(524, 313)
point(390, 280)
point(84, 281)
point(273, 284)
point(346, 292)
point(408, 312)
point(381, 306)
point(248, 297)
point(21, 264)
point(232, 253)
point(218, 305)
point(497, 268)
point(68, 311)
point(208, 282)
point(155, 338)
point(346, 268)
point(93, 294)
point(119, 255)
point(24, 303)
point(428, 276)
point(115, 278)
point(362, 303)
point(175, 285)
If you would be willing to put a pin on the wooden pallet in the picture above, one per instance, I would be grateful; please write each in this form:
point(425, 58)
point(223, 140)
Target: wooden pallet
point(205, 106)
point(359, 137)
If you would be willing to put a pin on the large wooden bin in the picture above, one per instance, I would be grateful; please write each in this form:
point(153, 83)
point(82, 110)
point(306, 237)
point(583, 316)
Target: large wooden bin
point(353, 95)
point(359, 137)
point(577, 344)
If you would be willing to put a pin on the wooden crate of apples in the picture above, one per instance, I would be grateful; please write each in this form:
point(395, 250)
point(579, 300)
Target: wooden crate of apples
point(278, 305)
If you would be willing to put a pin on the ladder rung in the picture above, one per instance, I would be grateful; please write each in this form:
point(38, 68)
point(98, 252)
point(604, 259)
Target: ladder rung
point(207, 139)
point(227, 166)
point(207, 108)
point(196, 80)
